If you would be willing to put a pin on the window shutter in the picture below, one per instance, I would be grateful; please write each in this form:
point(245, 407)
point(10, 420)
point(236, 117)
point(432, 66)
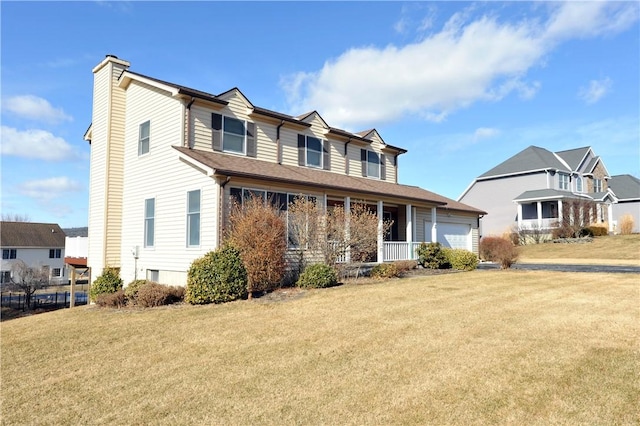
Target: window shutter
point(251, 139)
point(326, 152)
point(216, 134)
point(363, 160)
point(383, 167)
point(301, 147)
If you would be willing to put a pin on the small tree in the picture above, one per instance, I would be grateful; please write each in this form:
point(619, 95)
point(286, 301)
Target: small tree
point(27, 279)
point(500, 250)
point(576, 215)
point(258, 231)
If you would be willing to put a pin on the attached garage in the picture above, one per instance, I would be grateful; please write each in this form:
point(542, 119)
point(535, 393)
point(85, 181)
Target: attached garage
point(453, 235)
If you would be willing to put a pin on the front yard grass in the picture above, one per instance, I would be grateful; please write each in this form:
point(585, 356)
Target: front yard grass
point(608, 250)
point(483, 347)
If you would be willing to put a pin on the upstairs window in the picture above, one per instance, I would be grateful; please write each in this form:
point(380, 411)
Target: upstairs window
point(313, 152)
point(9, 253)
point(193, 218)
point(149, 222)
point(233, 135)
point(578, 184)
point(55, 253)
point(143, 138)
point(563, 181)
point(597, 185)
point(373, 164)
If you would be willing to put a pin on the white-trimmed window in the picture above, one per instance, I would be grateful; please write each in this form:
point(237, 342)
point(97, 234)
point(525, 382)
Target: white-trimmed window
point(149, 222)
point(56, 272)
point(55, 253)
point(9, 253)
point(233, 135)
point(314, 152)
point(597, 185)
point(563, 181)
point(373, 164)
point(579, 184)
point(193, 218)
point(144, 137)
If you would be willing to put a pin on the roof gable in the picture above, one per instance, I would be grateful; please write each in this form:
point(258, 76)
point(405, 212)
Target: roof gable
point(312, 116)
point(575, 157)
point(235, 93)
point(29, 234)
point(625, 187)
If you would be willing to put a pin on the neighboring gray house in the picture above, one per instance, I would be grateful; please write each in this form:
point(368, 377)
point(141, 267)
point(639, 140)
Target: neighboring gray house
point(528, 190)
point(627, 192)
point(39, 245)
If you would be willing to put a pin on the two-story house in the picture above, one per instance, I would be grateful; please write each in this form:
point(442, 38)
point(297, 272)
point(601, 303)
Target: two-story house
point(167, 161)
point(39, 245)
point(528, 190)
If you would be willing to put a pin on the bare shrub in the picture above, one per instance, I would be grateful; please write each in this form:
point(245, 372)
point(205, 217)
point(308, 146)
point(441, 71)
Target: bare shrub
point(27, 279)
point(153, 294)
point(626, 224)
point(258, 231)
point(500, 250)
point(577, 214)
point(404, 266)
point(111, 300)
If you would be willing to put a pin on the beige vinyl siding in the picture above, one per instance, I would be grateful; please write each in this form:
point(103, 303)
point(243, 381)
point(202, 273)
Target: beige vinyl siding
point(289, 141)
point(161, 175)
point(105, 176)
point(338, 160)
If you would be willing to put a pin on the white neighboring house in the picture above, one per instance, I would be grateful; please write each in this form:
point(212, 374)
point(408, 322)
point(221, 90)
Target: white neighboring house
point(627, 191)
point(167, 162)
point(40, 245)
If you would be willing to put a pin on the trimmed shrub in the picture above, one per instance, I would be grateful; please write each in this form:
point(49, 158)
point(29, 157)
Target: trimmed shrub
point(153, 294)
point(217, 277)
point(430, 255)
point(462, 260)
point(385, 270)
point(111, 300)
point(108, 282)
point(131, 290)
point(496, 249)
point(405, 265)
point(626, 224)
point(318, 275)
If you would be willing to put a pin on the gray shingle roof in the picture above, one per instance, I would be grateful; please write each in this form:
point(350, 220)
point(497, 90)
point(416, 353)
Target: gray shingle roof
point(232, 165)
point(530, 159)
point(29, 234)
point(626, 187)
point(574, 157)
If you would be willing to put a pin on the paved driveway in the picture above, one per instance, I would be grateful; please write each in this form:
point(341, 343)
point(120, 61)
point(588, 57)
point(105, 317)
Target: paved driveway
point(566, 268)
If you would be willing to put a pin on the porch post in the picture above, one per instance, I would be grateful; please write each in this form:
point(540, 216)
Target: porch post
point(560, 212)
point(347, 218)
point(434, 225)
point(409, 232)
point(380, 234)
point(539, 209)
point(519, 216)
point(610, 217)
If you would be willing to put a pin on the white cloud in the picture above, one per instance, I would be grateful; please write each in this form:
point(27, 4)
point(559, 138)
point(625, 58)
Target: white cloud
point(45, 190)
point(485, 133)
point(36, 144)
point(595, 90)
point(35, 108)
point(469, 60)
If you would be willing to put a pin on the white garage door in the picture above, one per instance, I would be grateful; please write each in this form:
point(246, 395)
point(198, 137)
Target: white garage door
point(454, 235)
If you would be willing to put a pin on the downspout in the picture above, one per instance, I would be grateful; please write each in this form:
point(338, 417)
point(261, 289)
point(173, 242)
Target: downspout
point(346, 157)
point(278, 148)
point(187, 140)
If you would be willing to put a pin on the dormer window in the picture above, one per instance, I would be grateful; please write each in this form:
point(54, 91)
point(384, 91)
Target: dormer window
point(373, 164)
point(233, 135)
point(578, 184)
point(313, 152)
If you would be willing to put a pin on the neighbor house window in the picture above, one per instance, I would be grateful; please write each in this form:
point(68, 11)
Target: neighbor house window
point(578, 184)
point(143, 139)
point(149, 222)
point(5, 277)
point(529, 211)
point(9, 253)
point(549, 209)
point(314, 152)
point(193, 218)
point(56, 272)
point(597, 185)
point(55, 253)
point(563, 181)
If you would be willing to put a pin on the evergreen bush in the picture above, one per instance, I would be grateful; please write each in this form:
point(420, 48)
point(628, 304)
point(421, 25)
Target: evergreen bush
point(431, 255)
point(318, 275)
point(217, 277)
point(462, 260)
point(385, 270)
point(108, 282)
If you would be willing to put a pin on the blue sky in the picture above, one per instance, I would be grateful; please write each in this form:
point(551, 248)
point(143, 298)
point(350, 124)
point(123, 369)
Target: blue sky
point(462, 86)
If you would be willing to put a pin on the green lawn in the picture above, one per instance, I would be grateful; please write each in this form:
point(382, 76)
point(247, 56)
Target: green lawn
point(611, 250)
point(483, 347)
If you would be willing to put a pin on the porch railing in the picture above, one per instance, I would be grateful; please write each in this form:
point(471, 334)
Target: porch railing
point(400, 250)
